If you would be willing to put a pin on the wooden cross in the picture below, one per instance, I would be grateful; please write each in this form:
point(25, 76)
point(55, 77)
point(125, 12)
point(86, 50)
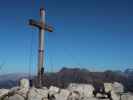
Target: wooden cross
point(42, 28)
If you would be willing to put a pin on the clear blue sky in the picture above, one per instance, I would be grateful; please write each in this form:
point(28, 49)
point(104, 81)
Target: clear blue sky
point(92, 34)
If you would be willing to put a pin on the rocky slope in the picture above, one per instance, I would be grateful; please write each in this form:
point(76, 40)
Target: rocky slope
point(113, 91)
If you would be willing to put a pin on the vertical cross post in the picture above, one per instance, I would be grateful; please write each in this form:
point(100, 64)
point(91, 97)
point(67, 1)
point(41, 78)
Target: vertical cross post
point(41, 47)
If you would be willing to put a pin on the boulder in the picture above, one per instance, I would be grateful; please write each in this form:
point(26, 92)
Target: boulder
point(15, 97)
point(24, 83)
point(114, 96)
point(130, 97)
point(44, 88)
point(43, 93)
point(118, 87)
point(37, 94)
point(74, 95)
point(99, 95)
point(14, 89)
point(53, 90)
point(22, 89)
point(85, 90)
point(92, 98)
point(23, 92)
point(63, 95)
point(126, 96)
point(5, 98)
point(108, 87)
point(3, 92)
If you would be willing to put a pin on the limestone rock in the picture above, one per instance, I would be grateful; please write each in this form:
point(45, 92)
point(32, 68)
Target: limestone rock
point(24, 83)
point(15, 97)
point(3, 92)
point(130, 97)
point(114, 96)
point(74, 96)
point(37, 94)
point(91, 98)
point(5, 98)
point(63, 95)
point(118, 87)
point(85, 90)
point(53, 90)
point(23, 92)
point(108, 87)
point(44, 88)
point(43, 93)
point(99, 95)
point(127, 96)
point(14, 89)
point(73, 92)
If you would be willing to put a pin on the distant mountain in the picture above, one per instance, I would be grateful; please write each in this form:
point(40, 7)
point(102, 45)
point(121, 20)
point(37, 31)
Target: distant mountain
point(129, 72)
point(74, 75)
point(11, 80)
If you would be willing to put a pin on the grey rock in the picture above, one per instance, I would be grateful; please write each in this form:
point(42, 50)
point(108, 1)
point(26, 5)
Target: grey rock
point(15, 97)
point(24, 83)
point(63, 95)
point(3, 92)
point(37, 94)
point(74, 96)
point(114, 96)
point(53, 90)
point(127, 96)
point(118, 87)
point(108, 87)
point(85, 90)
point(23, 92)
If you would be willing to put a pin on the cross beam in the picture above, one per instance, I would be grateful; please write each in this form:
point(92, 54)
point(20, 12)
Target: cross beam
point(40, 25)
point(42, 28)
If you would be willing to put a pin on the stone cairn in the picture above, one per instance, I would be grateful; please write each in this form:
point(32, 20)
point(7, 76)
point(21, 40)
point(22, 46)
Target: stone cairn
point(72, 92)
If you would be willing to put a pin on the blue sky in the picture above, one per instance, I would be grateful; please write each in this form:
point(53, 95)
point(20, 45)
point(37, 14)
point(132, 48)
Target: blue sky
point(92, 34)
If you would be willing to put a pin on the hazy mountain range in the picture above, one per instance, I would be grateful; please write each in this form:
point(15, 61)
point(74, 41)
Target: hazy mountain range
point(74, 75)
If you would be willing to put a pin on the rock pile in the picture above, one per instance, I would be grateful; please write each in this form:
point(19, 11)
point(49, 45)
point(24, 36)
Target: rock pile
point(85, 90)
point(73, 92)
